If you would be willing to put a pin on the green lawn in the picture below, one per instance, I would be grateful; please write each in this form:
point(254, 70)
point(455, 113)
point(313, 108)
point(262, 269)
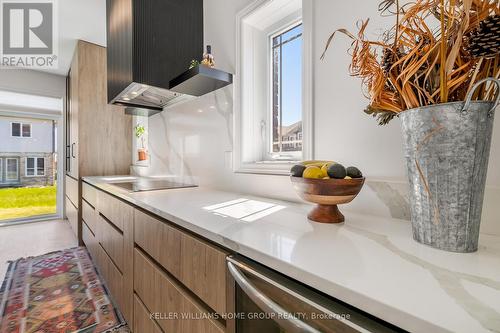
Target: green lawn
point(25, 202)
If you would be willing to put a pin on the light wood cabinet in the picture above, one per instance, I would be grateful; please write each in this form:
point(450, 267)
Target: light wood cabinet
point(89, 216)
point(111, 240)
point(162, 295)
point(98, 136)
point(99, 141)
point(153, 267)
point(113, 209)
point(197, 264)
point(90, 194)
point(142, 319)
point(72, 215)
point(72, 190)
point(90, 241)
point(113, 278)
point(203, 271)
point(111, 247)
point(159, 240)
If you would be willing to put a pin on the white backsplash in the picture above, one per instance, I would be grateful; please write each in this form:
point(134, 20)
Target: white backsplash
point(196, 138)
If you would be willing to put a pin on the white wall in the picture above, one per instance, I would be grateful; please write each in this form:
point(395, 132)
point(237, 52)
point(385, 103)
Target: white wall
point(186, 141)
point(40, 140)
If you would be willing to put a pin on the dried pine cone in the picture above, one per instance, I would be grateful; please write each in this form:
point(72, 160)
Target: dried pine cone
point(389, 57)
point(484, 41)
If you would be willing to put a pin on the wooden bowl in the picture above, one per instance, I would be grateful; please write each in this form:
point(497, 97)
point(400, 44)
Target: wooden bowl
point(327, 194)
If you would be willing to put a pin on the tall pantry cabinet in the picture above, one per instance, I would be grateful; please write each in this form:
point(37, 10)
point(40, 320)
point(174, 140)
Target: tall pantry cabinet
point(98, 135)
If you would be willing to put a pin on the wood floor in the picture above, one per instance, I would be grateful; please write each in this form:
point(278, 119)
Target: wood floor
point(33, 239)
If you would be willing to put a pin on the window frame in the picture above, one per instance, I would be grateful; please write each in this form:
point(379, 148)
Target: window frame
point(21, 125)
point(7, 179)
point(35, 166)
point(270, 156)
point(244, 131)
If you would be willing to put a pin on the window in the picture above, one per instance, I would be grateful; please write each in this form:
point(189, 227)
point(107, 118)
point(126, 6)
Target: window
point(1, 170)
point(40, 167)
point(273, 93)
point(30, 166)
point(26, 130)
point(33, 169)
point(286, 98)
point(12, 169)
point(16, 129)
point(21, 130)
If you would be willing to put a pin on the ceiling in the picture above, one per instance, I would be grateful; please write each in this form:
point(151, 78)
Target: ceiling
point(79, 19)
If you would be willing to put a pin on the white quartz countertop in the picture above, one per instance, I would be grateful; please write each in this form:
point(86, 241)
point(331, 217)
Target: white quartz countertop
point(369, 262)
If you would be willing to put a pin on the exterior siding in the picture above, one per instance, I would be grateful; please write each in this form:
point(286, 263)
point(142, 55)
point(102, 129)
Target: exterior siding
point(29, 181)
point(40, 144)
point(41, 139)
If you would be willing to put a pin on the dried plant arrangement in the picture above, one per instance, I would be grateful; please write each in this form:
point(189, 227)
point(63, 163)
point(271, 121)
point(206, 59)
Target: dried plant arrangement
point(436, 51)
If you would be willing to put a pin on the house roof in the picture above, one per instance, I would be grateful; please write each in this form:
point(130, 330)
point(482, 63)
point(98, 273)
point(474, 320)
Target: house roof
point(292, 129)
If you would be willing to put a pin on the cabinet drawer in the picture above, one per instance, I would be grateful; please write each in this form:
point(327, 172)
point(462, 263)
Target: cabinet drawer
point(142, 320)
point(72, 215)
point(89, 193)
point(89, 240)
point(72, 190)
point(161, 294)
point(112, 208)
point(89, 215)
point(203, 270)
point(111, 240)
point(112, 277)
point(198, 265)
point(159, 240)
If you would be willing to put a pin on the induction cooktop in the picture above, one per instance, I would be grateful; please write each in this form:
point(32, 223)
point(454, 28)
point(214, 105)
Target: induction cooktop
point(152, 185)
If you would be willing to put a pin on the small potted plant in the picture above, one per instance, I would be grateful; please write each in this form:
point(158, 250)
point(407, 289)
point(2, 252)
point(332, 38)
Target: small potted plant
point(140, 132)
point(436, 70)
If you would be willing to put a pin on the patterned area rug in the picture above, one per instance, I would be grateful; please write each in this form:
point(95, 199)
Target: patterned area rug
point(58, 292)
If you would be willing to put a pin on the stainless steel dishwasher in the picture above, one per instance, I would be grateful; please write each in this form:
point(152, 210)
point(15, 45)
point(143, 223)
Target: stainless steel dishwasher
point(268, 302)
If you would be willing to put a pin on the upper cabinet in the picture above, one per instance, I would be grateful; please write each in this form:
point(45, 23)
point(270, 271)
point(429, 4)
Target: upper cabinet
point(151, 44)
point(98, 139)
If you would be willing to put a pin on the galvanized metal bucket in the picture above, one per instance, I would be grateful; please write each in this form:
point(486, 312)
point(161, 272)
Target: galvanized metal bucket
point(447, 149)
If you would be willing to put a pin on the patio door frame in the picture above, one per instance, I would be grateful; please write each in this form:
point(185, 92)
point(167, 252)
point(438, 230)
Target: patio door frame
point(60, 128)
point(7, 179)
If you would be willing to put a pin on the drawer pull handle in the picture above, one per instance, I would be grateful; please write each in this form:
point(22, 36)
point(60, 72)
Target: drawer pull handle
point(291, 323)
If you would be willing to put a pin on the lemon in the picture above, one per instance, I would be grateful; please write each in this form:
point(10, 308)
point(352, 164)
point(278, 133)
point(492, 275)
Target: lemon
point(324, 169)
point(313, 172)
point(326, 177)
point(347, 177)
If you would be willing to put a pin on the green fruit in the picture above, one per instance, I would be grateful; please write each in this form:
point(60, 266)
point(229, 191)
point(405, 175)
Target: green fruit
point(297, 170)
point(336, 171)
point(354, 172)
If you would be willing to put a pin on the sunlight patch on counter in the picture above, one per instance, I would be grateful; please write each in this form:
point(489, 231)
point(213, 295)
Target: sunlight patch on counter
point(244, 209)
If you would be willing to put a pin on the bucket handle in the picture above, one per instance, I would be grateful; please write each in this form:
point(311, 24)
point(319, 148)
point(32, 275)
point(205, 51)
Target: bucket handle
point(468, 99)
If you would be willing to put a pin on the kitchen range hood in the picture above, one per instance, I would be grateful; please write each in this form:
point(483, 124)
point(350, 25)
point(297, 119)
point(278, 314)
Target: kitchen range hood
point(150, 45)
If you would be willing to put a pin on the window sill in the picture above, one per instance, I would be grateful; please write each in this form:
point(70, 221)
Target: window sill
point(278, 168)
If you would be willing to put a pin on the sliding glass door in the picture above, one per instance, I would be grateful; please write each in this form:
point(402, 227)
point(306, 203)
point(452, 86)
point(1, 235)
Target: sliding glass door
point(28, 160)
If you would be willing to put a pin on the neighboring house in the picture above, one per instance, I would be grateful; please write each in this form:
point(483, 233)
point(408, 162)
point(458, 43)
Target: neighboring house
point(292, 137)
point(27, 152)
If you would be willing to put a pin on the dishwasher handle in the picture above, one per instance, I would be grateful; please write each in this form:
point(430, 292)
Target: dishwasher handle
point(281, 316)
